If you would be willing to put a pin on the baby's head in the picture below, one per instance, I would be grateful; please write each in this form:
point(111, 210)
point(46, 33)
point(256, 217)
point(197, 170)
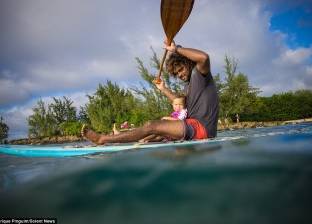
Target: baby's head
point(178, 104)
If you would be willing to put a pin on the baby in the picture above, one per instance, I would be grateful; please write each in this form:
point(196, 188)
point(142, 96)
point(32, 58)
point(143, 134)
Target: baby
point(179, 113)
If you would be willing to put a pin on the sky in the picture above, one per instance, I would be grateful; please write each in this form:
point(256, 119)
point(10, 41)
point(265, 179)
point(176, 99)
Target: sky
point(66, 48)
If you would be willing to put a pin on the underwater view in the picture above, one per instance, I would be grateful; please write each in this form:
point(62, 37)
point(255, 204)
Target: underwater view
point(260, 175)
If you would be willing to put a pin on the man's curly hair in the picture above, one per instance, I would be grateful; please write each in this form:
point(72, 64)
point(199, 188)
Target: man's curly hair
point(175, 60)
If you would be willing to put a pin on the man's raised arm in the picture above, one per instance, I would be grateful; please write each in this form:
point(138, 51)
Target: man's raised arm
point(166, 91)
point(199, 57)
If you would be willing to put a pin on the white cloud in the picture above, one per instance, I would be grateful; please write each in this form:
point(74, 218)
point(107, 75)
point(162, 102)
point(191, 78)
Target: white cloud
point(309, 70)
point(9, 92)
point(294, 57)
point(113, 69)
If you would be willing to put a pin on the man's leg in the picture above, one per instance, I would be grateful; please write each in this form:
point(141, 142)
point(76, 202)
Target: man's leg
point(152, 138)
point(173, 129)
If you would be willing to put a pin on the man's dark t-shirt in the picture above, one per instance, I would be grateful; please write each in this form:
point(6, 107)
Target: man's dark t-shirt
point(202, 101)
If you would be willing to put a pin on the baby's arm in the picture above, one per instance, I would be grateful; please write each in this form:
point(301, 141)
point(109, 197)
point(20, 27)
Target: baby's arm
point(169, 118)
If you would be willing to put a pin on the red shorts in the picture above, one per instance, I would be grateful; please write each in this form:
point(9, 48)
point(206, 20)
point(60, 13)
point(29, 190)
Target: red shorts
point(199, 130)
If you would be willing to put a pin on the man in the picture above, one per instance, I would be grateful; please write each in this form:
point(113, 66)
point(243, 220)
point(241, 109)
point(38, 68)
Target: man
point(193, 67)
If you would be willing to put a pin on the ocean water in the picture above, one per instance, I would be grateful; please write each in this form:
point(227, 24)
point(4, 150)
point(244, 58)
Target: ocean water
point(261, 175)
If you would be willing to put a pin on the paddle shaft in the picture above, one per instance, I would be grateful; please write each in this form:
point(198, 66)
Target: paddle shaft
point(162, 64)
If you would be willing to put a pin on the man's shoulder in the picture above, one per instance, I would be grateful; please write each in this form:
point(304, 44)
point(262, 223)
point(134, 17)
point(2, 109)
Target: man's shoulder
point(197, 76)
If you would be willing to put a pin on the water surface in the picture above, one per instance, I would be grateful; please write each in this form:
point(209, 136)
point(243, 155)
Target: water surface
point(264, 175)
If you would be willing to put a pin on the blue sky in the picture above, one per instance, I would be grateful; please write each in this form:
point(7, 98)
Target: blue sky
point(294, 20)
point(56, 48)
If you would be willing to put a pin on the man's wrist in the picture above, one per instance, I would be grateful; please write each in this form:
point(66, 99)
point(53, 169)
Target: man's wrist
point(176, 49)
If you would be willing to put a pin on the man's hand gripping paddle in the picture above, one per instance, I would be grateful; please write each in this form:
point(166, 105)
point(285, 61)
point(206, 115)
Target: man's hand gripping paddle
point(173, 13)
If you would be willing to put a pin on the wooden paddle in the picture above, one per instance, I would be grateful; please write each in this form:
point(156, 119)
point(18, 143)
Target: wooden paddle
point(173, 13)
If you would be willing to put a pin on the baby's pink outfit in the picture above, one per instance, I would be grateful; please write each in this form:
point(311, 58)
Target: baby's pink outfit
point(181, 115)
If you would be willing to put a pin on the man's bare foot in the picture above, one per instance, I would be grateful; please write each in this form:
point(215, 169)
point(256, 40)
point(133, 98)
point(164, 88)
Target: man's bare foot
point(90, 135)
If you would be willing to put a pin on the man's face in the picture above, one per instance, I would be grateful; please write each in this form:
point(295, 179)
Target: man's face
point(182, 72)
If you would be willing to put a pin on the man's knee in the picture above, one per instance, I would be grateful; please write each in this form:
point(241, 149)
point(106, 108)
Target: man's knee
point(150, 126)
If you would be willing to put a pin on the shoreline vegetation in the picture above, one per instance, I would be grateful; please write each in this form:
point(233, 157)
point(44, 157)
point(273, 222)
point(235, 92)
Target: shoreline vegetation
point(59, 121)
point(221, 127)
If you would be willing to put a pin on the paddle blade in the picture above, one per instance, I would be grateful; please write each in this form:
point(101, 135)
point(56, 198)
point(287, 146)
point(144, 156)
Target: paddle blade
point(174, 13)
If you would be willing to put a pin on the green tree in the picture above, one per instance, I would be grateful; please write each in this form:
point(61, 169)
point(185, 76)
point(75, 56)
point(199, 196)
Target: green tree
point(108, 105)
point(285, 106)
point(303, 103)
point(218, 82)
point(57, 118)
point(42, 122)
point(83, 115)
point(4, 130)
point(70, 128)
point(236, 95)
point(64, 113)
point(63, 110)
